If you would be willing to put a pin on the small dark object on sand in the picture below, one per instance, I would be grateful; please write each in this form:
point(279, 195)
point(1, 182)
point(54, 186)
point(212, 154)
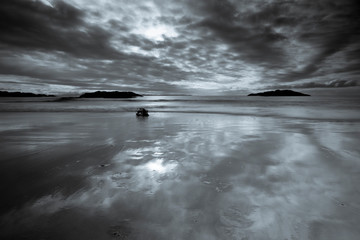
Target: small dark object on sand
point(142, 112)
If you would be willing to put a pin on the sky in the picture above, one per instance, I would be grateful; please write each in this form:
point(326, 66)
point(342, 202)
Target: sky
point(179, 47)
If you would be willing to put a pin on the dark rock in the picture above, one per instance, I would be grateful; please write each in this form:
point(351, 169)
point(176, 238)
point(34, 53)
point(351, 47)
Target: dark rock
point(278, 93)
point(22, 94)
point(142, 112)
point(115, 94)
point(122, 231)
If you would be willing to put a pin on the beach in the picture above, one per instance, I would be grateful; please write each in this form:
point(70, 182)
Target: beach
point(195, 169)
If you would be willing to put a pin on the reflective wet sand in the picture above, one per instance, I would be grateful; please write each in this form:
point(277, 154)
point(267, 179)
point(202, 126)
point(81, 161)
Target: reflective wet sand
point(177, 176)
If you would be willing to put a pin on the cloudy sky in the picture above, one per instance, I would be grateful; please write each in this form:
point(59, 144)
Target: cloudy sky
point(182, 46)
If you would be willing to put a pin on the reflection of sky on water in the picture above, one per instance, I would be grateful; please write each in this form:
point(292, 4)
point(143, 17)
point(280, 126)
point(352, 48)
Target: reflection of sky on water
point(221, 177)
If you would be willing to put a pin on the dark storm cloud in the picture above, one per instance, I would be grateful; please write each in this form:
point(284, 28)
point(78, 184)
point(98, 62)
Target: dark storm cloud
point(263, 34)
point(252, 42)
point(34, 25)
point(330, 28)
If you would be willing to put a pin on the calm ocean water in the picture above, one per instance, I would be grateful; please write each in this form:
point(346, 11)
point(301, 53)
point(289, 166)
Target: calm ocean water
point(289, 107)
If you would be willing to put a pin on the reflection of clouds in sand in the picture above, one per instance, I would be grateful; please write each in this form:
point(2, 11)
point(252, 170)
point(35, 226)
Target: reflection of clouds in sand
point(232, 178)
point(295, 190)
point(158, 165)
point(164, 175)
point(279, 190)
point(142, 169)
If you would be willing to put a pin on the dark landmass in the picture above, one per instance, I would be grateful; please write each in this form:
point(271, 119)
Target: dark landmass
point(116, 94)
point(22, 94)
point(278, 93)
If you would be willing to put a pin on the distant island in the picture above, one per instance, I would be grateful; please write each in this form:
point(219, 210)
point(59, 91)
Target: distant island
point(22, 94)
point(97, 94)
point(277, 93)
point(115, 94)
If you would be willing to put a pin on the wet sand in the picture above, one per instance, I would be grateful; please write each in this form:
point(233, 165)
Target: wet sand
point(177, 176)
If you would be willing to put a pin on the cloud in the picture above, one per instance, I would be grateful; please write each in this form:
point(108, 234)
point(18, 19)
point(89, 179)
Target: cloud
point(329, 29)
point(32, 25)
point(330, 84)
point(175, 46)
point(58, 45)
point(251, 41)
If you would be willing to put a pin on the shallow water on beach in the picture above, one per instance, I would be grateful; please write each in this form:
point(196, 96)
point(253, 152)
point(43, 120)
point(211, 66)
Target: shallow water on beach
point(179, 175)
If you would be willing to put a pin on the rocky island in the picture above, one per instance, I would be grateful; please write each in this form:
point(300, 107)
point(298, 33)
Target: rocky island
point(277, 93)
point(22, 94)
point(114, 94)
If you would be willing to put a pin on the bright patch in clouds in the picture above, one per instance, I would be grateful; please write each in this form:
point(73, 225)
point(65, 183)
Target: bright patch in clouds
point(157, 32)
